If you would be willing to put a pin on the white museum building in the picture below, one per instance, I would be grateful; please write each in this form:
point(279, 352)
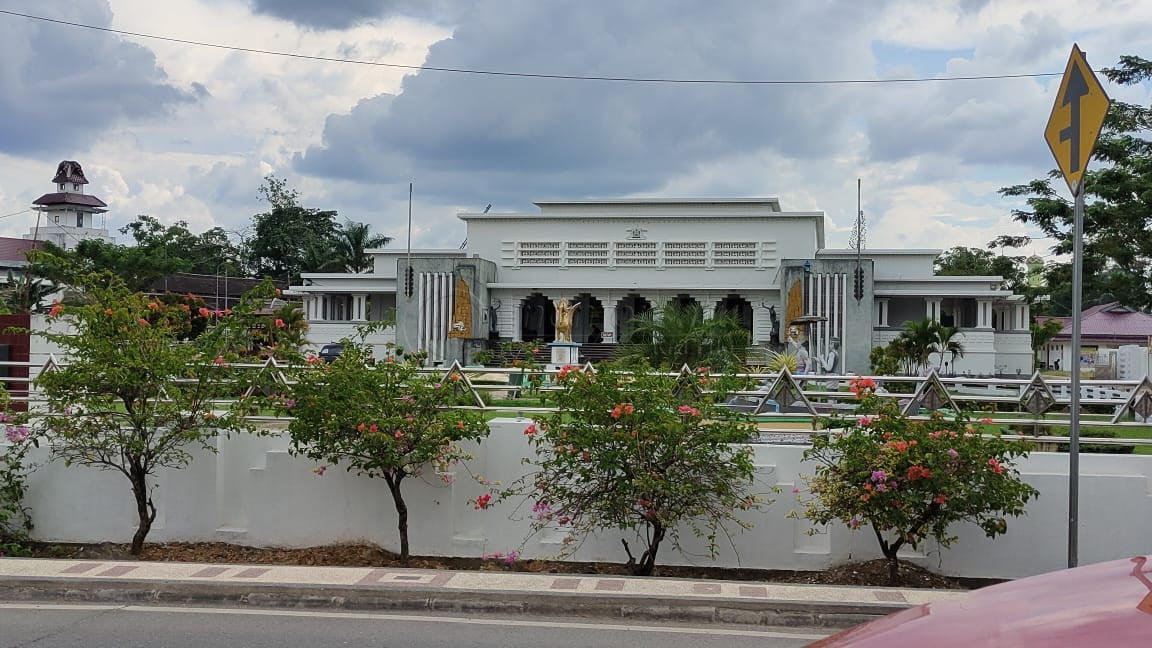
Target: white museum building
point(621, 257)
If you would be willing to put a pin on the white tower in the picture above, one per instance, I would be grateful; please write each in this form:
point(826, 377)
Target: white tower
point(68, 215)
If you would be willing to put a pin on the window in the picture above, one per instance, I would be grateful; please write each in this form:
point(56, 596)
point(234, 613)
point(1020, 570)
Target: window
point(75, 186)
point(61, 186)
point(79, 219)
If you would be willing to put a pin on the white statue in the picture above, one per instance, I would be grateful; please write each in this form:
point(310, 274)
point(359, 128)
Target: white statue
point(796, 347)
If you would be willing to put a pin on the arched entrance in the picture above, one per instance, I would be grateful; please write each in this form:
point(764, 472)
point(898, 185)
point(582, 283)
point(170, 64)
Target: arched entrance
point(628, 309)
point(591, 314)
point(683, 301)
point(739, 307)
point(537, 319)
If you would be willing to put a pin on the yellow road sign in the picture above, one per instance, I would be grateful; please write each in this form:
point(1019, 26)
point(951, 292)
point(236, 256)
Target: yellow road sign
point(1076, 119)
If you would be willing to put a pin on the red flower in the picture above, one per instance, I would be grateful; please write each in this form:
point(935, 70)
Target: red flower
point(483, 501)
point(941, 498)
point(279, 323)
point(373, 428)
point(585, 456)
point(153, 305)
point(107, 311)
point(996, 467)
point(361, 427)
point(918, 472)
point(460, 425)
point(219, 360)
point(530, 430)
point(143, 322)
point(55, 310)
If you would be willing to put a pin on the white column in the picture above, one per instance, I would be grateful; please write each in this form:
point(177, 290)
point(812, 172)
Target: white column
point(983, 313)
point(422, 305)
point(517, 314)
point(882, 311)
point(1021, 317)
point(359, 301)
point(933, 310)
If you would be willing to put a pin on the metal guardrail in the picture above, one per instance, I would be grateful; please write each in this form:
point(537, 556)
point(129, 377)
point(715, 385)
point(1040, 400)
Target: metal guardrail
point(823, 395)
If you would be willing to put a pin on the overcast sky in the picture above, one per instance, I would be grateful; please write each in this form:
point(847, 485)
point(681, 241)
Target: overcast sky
point(183, 132)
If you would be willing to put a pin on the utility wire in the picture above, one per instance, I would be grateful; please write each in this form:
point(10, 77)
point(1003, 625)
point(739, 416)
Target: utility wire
point(529, 75)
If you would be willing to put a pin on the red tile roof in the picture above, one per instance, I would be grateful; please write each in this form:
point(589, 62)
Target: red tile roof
point(67, 198)
point(14, 249)
point(1108, 321)
point(70, 171)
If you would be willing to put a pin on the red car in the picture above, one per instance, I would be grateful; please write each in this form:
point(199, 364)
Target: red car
point(1106, 604)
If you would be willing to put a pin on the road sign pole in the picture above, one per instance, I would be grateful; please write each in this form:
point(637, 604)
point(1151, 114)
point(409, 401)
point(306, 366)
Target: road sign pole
point(1074, 415)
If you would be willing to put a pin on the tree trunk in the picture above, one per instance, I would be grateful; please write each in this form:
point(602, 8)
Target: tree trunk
point(145, 509)
point(401, 514)
point(648, 559)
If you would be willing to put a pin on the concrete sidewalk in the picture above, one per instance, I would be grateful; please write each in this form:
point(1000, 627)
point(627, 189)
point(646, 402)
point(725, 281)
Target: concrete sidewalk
point(366, 588)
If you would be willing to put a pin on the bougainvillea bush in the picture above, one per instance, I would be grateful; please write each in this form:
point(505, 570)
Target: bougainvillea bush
point(132, 395)
point(638, 451)
point(910, 480)
point(15, 442)
point(386, 419)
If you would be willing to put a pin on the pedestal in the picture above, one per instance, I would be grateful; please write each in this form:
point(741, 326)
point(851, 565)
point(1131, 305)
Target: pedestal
point(564, 353)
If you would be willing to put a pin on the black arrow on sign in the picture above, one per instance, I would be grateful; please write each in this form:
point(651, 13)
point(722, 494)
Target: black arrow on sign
point(1077, 88)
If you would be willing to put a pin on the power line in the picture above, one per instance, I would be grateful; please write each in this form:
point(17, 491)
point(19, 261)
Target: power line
point(530, 75)
point(15, 213)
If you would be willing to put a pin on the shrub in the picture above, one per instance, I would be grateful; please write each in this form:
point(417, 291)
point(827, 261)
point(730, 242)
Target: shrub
point(388, 420)
point(911, 480)
point(15, 518)
point(640, 451)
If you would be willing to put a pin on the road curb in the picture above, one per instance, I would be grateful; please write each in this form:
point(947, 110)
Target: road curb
point(416, 598)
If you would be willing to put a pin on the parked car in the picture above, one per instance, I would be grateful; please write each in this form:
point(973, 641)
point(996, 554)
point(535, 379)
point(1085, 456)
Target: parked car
point(330, 352)
point(1106, 604)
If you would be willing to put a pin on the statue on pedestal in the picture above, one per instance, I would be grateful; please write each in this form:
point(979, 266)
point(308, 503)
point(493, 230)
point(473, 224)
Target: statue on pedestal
point(564, 313)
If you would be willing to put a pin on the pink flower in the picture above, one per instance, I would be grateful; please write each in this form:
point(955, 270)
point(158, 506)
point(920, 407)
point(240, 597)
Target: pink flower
point(313, 359)
point(319, 470)
point(219, 360)
point(153, 305)
point(853, 523)
point(16, 435)
point(865, 421)
point(952, 453)
point(996, 467)
point(941, 498)
point(399, 434)
point(143, 322)
point(530, 430)
point(986, 420)
point(795, 491)
point(204, 312)
point(879, 476)
point(279, 323)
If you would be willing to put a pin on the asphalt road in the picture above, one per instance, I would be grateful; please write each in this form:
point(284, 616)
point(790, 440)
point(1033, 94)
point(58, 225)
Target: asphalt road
point(107, 626)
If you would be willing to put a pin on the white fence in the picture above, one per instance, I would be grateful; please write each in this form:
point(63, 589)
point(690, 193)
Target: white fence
point(254, 493)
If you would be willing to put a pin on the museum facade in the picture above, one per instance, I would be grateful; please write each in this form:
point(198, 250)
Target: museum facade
point(620, 258)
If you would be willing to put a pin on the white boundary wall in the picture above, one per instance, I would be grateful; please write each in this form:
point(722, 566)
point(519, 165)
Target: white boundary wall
point(254, 493)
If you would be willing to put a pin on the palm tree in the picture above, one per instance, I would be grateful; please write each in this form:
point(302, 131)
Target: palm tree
point(679, 334)
point(918, 343)
point(352, 243)
point(946, 342)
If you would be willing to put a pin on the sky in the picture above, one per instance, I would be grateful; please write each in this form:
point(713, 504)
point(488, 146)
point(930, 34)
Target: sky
point(185, 132)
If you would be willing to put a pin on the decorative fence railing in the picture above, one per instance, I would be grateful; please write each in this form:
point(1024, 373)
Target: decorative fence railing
point(786, 408)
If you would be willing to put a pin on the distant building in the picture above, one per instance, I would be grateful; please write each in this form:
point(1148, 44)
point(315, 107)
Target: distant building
point(619, 258)
point(1103, 328)
point(217, 291)
point(14, 256)
point(68, 215)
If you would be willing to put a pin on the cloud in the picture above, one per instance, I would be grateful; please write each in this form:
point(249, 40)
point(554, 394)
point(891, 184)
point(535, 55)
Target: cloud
point(61, 86)
point(504, 139)
point(341, 14)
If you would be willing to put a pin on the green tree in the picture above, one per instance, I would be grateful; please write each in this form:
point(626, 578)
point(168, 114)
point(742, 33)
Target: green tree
point(1042, 334)
point(638, 451)
point(678, 335)
point(1118, 203)
point(389, 420)
point(970, 261)
point(26, 293)
point(281, 234)
point(911, 480)
point(946, 342)
point(352, 243)
point(131, 398)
